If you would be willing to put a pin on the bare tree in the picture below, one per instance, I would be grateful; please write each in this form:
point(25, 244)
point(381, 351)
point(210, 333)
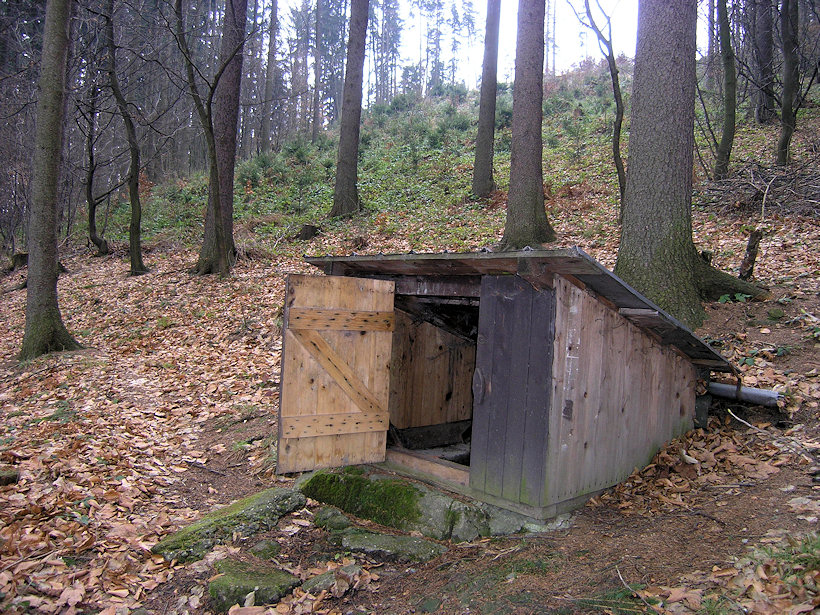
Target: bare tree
point(789, 20)
point(605, 44)
point(270, 80)
point(45, 331)
point(727, 57)
point(134, 229)
point(218, 113)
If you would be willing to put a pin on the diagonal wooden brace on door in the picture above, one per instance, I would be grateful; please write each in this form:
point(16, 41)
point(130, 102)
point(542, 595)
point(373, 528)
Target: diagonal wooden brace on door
point(338, 369)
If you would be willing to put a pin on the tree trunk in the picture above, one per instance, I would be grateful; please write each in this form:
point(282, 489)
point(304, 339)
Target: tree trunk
point(527, 223)
point(317, 76)
point(345, 193)
point(483, 183)
point(727, 56)
point(710, 46)
point(270, 79)
point(791, 78)
point(218, 251)
point(763, 47)
point(134, 231)
point(45, 331)
point(91, 136)
point(657, 255)
point(606, 42)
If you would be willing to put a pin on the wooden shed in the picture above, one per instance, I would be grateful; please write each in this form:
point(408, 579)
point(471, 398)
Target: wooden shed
point(531, 380)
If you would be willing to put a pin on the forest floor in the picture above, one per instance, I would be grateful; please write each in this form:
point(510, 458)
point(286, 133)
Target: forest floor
point(170, 410)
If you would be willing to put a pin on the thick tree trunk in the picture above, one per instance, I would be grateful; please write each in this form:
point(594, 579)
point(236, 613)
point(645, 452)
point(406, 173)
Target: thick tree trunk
point(45, 331)
point(345, 193)
point(763, 47)
point(134, 230)
point(483, 183)
point(527, 223)
point(727, 56)
point(218, 251)
point(270, 79)
point(657, 255)
point(789, 16)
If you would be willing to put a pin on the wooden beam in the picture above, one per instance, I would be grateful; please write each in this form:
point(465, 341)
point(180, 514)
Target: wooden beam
point(441, 468)
point(331, 424)
point(343, 320)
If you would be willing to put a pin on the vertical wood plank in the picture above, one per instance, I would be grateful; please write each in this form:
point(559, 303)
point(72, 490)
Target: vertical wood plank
point(538, 404)
point(516, 302)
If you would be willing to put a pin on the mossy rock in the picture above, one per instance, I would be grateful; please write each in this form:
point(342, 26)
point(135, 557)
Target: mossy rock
point(326, 580)
point(388, 501)
point(392, 548)
point(238, 579)
point(266, 549)
point(331, 519)
point(248, 516)
point(9, 476)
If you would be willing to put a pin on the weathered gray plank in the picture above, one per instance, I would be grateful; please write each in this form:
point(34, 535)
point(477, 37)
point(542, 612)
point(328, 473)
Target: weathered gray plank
point(539, 397)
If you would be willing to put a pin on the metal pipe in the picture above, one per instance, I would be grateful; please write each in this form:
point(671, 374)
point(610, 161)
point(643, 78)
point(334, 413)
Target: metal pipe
point(761, 397)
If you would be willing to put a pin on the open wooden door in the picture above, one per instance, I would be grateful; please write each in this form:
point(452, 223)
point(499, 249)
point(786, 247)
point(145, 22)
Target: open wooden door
point(337, 340)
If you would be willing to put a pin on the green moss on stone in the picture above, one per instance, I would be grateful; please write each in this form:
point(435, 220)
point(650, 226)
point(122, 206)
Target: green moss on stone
point(238, 579)
point(266, 549)
point(387, 501)
point(250, 515)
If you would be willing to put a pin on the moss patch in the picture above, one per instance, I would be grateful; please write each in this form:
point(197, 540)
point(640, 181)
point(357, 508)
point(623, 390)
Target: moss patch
point(387, 501)
point(238, 579)
point(250, 515)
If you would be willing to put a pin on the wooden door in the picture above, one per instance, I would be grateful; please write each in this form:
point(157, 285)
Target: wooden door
point(511, 389)
point(335, 372)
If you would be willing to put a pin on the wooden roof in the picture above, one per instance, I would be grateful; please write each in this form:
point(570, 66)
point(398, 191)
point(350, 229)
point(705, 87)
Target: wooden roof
point(454, 274)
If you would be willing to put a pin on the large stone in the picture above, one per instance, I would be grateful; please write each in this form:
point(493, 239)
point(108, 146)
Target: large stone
point(331, 519)
point(238, 579)
point(445, 518)
point(248, 516)
point(392, 548)
point(326, 580)
point(9, 476)
point(375, 496)
point(380, 498)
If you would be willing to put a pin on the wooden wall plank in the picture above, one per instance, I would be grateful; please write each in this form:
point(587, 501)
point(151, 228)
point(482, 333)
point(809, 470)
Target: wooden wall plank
point(512, 387)
point(537, 407)
point(515, 300)
point(330, 424)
